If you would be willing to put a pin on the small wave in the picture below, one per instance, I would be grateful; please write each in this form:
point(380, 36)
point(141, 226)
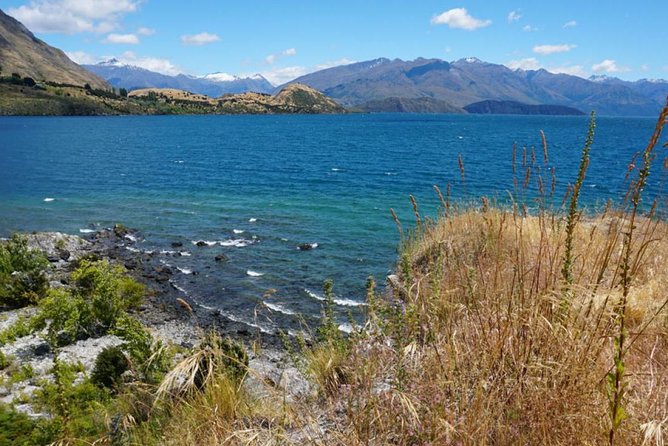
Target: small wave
point(185, 254)
point(179, 162)
point(237, 243)
point(278, 308)
point(460, 137)
point(284, 239)
point(346, 328)
point(86, 231)
point(341, 302)
point(238, 231)
point(390, 173)
point(307, 246)
point(252, 220)
point(336, 169)
point(131, 237)
point(49, 200)
point(206, 242)
point(168, 265)
point(132, 249)
point(167, 252)
point(254, 273)
point(246, 322)
point(176, 287)
point(185, 271)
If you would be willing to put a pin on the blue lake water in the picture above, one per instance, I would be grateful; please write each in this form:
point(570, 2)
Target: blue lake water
point(283, 181)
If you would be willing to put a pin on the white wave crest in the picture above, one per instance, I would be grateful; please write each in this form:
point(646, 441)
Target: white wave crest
point(254, 273)
point(238, 231)
point(236, 243)
point(278, 308)
point(184, 270)
point(86, 231)
point(49, 200)
point(206, 242)
point(252, 220)
point(338, 301)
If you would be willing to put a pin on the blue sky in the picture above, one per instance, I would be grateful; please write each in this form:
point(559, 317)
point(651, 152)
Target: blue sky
point(285, 39)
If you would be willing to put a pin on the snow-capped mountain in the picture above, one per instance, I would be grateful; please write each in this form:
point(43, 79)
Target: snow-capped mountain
point(131, 77)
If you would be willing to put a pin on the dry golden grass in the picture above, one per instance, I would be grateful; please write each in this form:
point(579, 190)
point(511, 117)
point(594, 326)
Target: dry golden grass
point(497, 361)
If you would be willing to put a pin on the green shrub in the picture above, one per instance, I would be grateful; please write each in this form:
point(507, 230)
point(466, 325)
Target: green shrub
point(77, 410)
point(22, 273)
point(18, 429)
point(110, 365)
point(149, 358)
point(226, 356)
point(4, 361)
point(108, 290)
point(101, 296)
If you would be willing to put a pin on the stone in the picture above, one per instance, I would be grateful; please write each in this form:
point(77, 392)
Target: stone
point(221, 258)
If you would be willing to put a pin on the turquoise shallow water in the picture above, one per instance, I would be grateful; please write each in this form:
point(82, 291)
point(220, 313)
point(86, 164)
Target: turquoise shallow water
point(283, 181)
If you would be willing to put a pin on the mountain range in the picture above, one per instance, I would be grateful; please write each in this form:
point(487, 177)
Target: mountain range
point(26, 55)
point(132, 77)
point(466, 81)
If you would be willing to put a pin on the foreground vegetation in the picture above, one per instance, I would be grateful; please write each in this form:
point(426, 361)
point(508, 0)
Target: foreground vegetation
point(503, 326)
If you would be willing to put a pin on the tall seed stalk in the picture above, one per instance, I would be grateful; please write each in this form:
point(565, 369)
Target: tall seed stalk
point(615, 378)
point(572, 216)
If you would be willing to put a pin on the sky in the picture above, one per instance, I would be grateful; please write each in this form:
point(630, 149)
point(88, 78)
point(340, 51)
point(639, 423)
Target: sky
point(283, 39)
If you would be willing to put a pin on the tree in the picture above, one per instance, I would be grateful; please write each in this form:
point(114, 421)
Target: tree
point(123, 93)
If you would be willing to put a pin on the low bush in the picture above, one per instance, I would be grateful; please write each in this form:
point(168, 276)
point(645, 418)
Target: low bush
point(22, 273)
point(101, 296)
point(110, 365)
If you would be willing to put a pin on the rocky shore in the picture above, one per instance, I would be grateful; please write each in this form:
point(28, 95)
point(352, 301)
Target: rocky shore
point(166, 311)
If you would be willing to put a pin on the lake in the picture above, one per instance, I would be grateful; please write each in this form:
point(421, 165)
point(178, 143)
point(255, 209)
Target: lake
point(257, 187)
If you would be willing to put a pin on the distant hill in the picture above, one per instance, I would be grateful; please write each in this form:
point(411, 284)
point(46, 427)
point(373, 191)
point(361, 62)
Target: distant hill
point(23, 53)
point(517, 108)
point(55, 100)
point(409, 105)
point(293, 99)
point(470, 80)
point(217, 84)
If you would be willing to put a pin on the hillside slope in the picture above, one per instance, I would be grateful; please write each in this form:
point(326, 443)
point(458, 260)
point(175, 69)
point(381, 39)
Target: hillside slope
point(23, 53)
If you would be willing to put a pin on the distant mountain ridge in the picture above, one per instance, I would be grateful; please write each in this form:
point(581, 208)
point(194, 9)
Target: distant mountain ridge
point(470, 80)
point(23, 53)
point(132, 77)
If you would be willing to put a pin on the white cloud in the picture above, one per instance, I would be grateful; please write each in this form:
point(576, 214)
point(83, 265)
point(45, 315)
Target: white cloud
point(280, 76)
point(123, 39)
point(514, 16)
point(73, 16)
point(644, 67)
point(145, 31)
point(459, 18)
point(529, 28)
point(334, 63)
point(551, 49)
point(82, 58)
point(530, 63)
point(570, 24)
point(270, 59)
point(608, 66)
point(158, 65)
point(573, 70)
point(200, 39)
